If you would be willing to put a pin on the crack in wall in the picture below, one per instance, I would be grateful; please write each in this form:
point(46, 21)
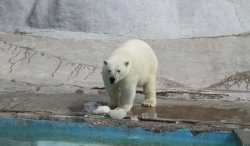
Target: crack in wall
point(169, 83)
point(78, 67)
point(39, 86)
point(76, 71)
point(21, 53)
point(28, 54)
point(92, 69)
point(58, 66)
point(237, 79)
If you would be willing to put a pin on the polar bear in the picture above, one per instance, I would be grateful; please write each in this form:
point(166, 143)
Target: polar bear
point(132, 65)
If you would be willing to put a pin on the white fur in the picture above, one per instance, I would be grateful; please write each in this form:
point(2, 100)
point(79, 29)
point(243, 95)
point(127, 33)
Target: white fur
point(101, 110)
point(138, 68)
point(117, 113)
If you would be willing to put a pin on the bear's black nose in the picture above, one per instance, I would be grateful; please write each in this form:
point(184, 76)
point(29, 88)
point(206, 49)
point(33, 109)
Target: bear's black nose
point(112, 80)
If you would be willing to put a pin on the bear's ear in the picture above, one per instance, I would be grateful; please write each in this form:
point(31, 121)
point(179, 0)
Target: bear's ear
point(105, 62)
point(127, 63)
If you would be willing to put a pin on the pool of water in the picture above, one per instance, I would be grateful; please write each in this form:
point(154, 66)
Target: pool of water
point(20, 132)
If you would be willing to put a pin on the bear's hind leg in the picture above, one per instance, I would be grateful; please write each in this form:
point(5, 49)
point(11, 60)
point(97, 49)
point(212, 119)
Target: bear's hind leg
point(150, 92)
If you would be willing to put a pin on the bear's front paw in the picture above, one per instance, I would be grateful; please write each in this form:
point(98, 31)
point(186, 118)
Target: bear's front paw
point(113, 105)
point(149, 103)
point(127, 107)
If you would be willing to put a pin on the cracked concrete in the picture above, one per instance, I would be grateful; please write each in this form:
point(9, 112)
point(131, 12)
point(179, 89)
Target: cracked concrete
point(22, 53)
point(241, 80)
point(18, 55)
point(63, 65)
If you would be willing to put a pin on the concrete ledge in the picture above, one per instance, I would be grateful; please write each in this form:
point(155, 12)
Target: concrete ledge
point(243, 137)
point(169, 114)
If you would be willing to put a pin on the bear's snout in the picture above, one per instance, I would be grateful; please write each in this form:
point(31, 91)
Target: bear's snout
point(112, 80)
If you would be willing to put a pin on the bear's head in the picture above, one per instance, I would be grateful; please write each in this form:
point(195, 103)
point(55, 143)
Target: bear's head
point(116, 71)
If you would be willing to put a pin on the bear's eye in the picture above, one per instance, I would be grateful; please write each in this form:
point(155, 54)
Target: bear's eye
point(109, 70)
point(118, 71)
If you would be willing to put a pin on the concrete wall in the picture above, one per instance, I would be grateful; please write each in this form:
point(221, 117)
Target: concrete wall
point(213, 56)
point(144, 19)
point(43, 63)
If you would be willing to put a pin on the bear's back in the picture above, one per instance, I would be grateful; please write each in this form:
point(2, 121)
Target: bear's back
point(141, 56)
point(136, 49)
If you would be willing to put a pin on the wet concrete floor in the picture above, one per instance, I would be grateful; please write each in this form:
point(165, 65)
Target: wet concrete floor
point(196, 113)
point(168, 114)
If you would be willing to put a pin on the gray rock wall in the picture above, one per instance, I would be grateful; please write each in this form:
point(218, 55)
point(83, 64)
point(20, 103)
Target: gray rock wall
point(134, 18)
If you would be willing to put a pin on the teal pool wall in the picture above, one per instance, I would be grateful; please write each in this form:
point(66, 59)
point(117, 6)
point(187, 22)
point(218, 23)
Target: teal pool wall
point(82, 132)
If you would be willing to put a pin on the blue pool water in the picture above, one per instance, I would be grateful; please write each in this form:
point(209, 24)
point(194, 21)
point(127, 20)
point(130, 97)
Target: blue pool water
point(19, 132)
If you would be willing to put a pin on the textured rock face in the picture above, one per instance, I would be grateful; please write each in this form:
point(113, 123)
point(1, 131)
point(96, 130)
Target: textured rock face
point(14, 13)
point(147, 19)
point(217, 60)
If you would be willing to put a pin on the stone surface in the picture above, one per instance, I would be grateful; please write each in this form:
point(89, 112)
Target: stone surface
point(148, 19)
point(48, 65)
